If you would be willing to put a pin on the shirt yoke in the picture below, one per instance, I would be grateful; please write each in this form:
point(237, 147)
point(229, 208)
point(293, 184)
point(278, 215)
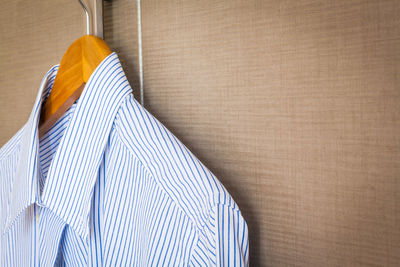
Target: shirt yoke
point(186, 180)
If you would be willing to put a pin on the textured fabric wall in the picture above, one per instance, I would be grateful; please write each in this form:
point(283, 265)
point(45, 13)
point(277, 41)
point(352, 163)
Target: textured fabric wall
point(33, 37)
point(294, 105)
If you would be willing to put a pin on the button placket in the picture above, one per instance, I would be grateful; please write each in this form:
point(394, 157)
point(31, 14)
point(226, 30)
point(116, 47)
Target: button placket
point(36, 221)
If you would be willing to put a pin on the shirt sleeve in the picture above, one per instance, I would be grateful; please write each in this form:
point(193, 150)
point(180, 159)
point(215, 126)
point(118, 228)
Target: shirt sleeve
point(223, 241)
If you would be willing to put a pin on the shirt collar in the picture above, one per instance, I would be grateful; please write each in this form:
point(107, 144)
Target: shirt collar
point(74, 168)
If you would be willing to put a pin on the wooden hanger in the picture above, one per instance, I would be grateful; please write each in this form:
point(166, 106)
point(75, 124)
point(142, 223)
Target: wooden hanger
point(76, 66)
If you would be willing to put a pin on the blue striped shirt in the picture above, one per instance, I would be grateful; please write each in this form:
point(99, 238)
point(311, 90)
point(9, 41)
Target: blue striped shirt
point(109, 185)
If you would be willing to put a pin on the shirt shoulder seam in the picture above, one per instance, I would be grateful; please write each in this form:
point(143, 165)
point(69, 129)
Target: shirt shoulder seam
point(215, 200)
point(194, 226)
point(150, 173)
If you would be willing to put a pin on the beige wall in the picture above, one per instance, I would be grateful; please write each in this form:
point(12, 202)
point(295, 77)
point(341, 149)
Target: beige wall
point(294, 105)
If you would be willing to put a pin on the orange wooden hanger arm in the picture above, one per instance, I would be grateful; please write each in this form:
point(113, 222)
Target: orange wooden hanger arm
point(76, 66)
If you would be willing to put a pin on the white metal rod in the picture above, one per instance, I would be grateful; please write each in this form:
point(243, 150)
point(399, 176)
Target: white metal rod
point(98, 18)
point(87, 17)
point(140, 53)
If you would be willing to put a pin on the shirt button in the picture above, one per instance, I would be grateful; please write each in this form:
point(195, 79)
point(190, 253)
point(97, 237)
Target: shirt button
point(37, 214)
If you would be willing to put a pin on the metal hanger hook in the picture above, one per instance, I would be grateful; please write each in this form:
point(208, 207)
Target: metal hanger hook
point(88, 26)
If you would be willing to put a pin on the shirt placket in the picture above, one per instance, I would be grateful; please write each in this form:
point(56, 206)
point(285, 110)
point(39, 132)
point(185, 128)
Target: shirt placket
point(38, 210)
point(36, 221)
